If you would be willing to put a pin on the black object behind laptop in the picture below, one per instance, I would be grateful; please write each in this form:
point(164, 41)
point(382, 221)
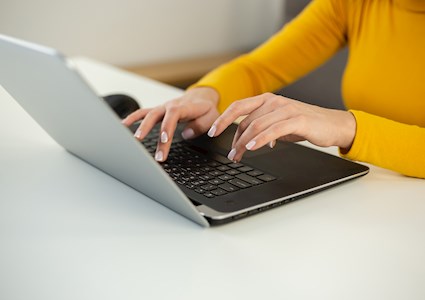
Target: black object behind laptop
point(121, 104)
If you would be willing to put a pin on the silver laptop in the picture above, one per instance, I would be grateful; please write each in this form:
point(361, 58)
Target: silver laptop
point(197, 181)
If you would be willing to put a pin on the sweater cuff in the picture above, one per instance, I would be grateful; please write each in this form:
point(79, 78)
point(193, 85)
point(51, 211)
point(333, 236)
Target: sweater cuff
point(360, 137)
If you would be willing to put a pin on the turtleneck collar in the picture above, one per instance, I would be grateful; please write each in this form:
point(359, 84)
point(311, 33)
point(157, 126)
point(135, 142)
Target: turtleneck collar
point(412, 5)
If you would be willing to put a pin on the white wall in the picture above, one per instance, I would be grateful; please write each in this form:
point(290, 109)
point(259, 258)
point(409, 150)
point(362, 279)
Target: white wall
point(125, 32)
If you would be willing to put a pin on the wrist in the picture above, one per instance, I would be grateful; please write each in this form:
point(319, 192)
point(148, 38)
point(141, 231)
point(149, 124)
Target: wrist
point(204, 92)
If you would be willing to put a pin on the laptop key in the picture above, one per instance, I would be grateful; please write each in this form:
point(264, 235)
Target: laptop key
point(221, 159)
point(235, 165)
point(240, 183)
point(217, 173)
point(208, 187)
point(245, 169)
point(266, 177)
point(249, 179)
point(228, 187)
point(199, 182)
point(150, 144)
point(219, 192)
point(206, 177)
point(225, 177)
point(199, 190)
point(232, 172)
point(255, 173)
point(209, 195)
point(216, 181)
point(223, 168)
point(214, 164)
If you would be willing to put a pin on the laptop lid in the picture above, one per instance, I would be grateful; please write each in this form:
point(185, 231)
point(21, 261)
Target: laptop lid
point(50, 89)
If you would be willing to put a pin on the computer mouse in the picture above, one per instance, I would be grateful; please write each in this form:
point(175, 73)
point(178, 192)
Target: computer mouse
point(121, 104)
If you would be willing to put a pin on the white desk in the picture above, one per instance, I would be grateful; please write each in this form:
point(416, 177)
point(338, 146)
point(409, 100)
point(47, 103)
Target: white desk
point(69, 231)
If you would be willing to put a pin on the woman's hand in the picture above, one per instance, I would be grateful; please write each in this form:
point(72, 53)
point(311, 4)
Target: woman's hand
point(271, 117)
point(197, 106)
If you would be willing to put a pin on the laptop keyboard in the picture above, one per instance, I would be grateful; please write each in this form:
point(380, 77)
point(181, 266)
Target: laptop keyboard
point(210, 176)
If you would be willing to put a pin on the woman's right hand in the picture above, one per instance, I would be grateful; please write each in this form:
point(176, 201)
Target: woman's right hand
point(197, 107)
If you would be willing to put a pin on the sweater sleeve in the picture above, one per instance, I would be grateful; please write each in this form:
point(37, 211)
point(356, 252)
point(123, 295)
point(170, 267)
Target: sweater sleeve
point(301, 46)
point(389, 144)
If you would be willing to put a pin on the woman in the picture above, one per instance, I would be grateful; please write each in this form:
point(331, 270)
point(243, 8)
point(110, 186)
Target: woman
point(383, 87)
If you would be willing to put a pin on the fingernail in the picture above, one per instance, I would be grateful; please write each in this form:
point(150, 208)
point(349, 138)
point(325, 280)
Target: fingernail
point(188, 133)
point(164, 137)
point(231, 154)
point(272, 144)
point(123, 120)
point(138, 133)
point(212, 131)
point(159, 156)
point(250, 145)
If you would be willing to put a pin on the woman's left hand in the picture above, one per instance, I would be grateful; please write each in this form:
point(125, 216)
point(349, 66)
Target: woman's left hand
point(271, 117)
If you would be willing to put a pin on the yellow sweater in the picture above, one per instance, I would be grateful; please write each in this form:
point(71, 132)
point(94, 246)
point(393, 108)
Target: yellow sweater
point(383, 84)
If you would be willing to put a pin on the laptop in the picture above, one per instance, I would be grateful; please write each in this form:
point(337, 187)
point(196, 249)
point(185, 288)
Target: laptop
point(197, 181)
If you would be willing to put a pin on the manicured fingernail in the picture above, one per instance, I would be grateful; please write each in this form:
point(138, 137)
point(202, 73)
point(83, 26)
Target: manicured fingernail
point(159, 156)
point(164, 137)
point(272, 144)
point(138, 133)
point(231, 154)
point(212, 131)
point(188, 133)
point(250, 145)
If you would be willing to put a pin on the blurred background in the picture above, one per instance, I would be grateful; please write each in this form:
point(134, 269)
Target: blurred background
point(175, 42)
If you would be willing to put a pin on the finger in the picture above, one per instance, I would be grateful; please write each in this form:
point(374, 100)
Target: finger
point(200, 125)
point(236, 110)
point(268, 107)
point(254, 128)
point(276, 109)
point(152, 117)
point(135, 116)
point(168, 127)
point(175, 112)
point(237, 135)
point(279, 130)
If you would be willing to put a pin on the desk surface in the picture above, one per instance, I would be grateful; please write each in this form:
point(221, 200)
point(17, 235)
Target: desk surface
point(69, 231)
